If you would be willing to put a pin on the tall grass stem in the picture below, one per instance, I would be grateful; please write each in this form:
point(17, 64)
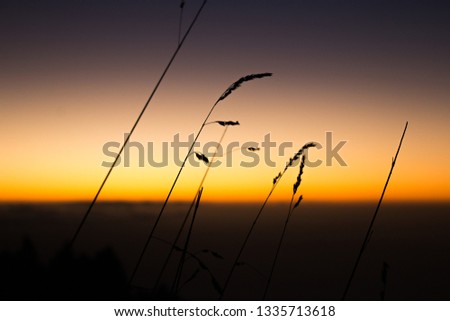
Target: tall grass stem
point(369, 230)
point(247, 237)
point(269, 279)
point(180, 230)
point(86, 215)
point(176, 283)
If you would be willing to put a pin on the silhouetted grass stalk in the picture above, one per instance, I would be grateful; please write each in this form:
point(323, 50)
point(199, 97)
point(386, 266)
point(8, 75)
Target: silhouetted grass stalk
point(180, 230)
point(226, 93)
point(369, 230)
point(196, 258)
point(180, 20)
point(290, 211)
point(176, 283)
point(77, 232)
point(276, 180)
point(199, 192)
point(191, 255)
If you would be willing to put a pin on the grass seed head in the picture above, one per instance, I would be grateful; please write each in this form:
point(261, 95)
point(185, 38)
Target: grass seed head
point(299, 176)
point(298, 201)
point(238, 83)
point(300, 152)
point(228, 123)
point(202, 157)
point(276, 178)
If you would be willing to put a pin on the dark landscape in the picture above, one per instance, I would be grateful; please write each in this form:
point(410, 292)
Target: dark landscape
point(315, 261)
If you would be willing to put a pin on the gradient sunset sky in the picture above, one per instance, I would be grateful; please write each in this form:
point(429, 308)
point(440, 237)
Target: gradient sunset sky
point(74, 75)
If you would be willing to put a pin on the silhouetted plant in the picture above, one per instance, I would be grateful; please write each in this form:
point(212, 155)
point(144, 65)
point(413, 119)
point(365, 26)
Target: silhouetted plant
point(227, 92)
point(291, 209)
point(209, 163)
point(201, 266)
point(224, 123)
point(370, 230)
point(180, 20)
point(252, 268)
point(180, 44)
point(202, 157)
point(213, 253)
point(276, 180)
point(176, 283)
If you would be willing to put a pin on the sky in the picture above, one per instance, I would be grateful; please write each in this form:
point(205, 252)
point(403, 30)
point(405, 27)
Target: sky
point(74, 75)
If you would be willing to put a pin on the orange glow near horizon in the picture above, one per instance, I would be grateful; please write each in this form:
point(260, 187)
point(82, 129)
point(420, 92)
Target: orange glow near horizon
point(66, 166)
point(56, 176)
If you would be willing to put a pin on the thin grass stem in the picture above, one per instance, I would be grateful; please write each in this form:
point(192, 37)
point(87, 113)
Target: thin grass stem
point(276, 180)
point(86, 215)
point(180, 230)
point(291, 209)
point(269, 279)
point(176, 283)
point(370, 229)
